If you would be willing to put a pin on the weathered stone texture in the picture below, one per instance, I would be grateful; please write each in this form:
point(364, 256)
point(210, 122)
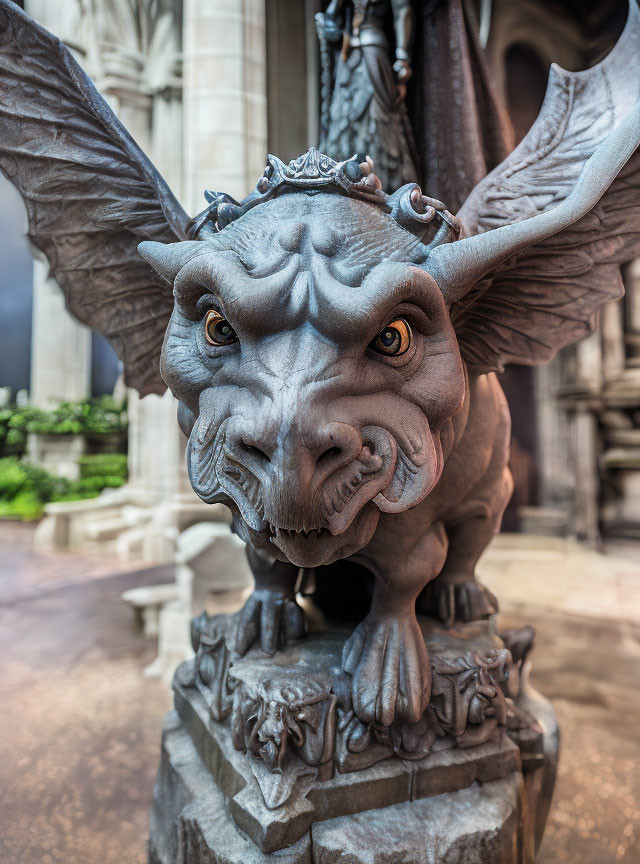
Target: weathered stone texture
point(189, 820)
point(474, 825)
point(190, 823)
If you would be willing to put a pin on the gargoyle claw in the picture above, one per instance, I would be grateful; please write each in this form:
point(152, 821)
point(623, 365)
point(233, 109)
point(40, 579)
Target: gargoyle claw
point(272, 618)
point(464, 601)
point(388, 660)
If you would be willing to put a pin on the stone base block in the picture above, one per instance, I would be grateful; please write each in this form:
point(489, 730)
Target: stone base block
point(264, 758)
point(245, 780)
point(491, 822)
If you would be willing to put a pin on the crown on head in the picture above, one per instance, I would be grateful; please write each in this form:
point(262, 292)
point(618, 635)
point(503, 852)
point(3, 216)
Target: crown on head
point(313, 171)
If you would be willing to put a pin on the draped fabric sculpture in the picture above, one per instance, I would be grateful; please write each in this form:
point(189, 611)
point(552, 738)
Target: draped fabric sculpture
point(334, 351)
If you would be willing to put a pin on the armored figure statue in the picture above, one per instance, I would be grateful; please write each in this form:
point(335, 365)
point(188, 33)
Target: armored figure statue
point(407, 83)
point(334, 349)
point(366, 111)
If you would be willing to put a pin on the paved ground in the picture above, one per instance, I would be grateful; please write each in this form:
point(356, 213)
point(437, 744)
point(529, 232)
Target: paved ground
point(80, 727)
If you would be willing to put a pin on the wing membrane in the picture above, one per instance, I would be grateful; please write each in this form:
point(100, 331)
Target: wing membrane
point(90, 193)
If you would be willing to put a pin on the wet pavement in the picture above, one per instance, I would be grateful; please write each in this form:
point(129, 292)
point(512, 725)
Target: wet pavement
point(80, 726)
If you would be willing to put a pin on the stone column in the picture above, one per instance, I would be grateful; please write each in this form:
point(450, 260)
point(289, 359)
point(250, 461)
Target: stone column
point(589, 363)
point(157, 472)
point(585, 448)
point(613, 348)
point(60, 371)
point(632, 285)
point(60, 346)
point(221, 144)
point(224, 97)
point(224, 148)
point(555, 477)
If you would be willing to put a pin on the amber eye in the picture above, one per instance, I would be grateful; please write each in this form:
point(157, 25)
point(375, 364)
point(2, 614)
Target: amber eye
point(394, 340)
point(217, 329)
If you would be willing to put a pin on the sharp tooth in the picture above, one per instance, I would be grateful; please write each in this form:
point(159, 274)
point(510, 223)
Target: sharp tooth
point(329, 506)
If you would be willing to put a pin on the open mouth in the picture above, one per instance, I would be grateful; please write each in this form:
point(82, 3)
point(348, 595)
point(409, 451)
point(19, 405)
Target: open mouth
point(319, 546)
point(309, 526)
point(312, 535)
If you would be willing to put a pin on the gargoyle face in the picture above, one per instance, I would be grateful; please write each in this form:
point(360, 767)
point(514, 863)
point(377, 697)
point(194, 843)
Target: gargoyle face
point(316, 365)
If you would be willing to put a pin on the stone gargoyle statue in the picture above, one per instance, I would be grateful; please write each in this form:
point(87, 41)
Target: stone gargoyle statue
point(333, 348)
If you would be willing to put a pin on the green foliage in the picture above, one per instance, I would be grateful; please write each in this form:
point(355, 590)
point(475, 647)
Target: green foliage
point(12, 478)
point(103, 465)
point(26, 488)
point(91, 417)
point(26, 506)
point(46, 486)
point(97, 484)
point(102, 416)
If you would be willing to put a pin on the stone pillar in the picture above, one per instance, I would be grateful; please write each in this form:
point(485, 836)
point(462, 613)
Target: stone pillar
point(589, 363)
point(157, 472)
point(613, 348)
point(632, 285)
point(585, 448)
point(60, 346)
point(224, 97)
point(60, 372)
point(555, 476)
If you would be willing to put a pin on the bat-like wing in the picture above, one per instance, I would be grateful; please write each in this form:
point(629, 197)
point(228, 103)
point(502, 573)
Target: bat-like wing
point(547, 230)
point(91, 194)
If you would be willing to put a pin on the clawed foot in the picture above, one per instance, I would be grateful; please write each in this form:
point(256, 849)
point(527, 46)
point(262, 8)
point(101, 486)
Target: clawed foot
point(271, 618)
point(463, 601)
point(388, 660)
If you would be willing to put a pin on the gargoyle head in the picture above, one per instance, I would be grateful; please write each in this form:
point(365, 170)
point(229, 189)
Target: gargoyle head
point(315, 364)
point(312, 347)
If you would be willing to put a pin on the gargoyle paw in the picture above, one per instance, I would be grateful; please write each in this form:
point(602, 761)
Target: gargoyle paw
point(388, 660)
point(273, 619)
point(464, 601)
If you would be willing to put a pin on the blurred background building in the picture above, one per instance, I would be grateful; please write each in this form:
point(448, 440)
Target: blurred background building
point(207, 88)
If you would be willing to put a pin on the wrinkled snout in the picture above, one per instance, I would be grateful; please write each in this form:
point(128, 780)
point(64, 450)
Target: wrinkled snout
point(311, 476)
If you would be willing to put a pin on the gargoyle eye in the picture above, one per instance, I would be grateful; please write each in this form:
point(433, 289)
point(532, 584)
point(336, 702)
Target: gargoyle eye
point(217, 329)
point(393, 340)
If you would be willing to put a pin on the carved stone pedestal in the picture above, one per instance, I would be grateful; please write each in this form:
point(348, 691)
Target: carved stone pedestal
point(264, 760)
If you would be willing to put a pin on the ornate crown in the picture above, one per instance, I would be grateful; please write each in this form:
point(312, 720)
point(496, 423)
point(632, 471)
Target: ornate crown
point(313, 171)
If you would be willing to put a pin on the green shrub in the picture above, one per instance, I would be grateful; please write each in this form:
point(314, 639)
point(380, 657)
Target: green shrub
point(75, 495)
point(12, 478)
point(103, 465)
point(97, 418)
point(26, 506)
point(45, 485)
point(26, 488)
point(97, 484)
point(16, 439)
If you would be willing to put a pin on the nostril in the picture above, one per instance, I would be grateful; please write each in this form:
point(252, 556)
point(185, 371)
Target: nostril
point(328, 454)
point(255, 452)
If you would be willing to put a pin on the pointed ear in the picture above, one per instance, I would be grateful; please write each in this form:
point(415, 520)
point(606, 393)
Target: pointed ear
point(167, 259)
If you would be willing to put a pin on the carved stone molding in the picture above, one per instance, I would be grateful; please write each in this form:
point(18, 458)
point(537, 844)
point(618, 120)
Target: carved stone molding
point(290, 721)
